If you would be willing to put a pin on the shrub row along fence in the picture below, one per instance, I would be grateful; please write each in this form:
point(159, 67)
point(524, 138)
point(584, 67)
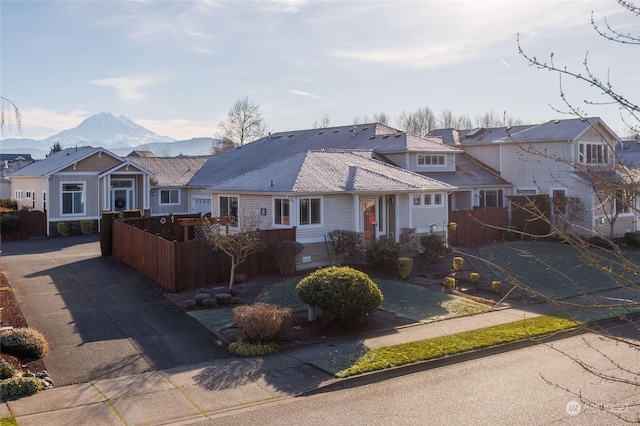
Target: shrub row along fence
point(181, 265)
point(23, 224)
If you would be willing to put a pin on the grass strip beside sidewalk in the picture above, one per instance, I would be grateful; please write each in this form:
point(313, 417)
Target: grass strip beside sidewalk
point(437, 347)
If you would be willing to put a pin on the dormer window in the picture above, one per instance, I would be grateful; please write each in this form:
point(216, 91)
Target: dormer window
point(431, 160)
point(594, 153)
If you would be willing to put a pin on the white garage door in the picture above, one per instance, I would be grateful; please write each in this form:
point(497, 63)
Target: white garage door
point(200, 205)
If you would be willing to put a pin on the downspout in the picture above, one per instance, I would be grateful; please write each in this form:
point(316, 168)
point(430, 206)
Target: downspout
point(47, 219)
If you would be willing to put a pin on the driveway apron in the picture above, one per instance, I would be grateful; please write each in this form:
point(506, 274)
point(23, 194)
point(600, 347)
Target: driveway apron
point(101, 318)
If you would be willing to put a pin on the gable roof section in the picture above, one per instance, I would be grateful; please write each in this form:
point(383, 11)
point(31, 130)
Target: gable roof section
point(277, 146)
point(553, 130)
point(61, 160)
point(171, 171)
point(330, 171)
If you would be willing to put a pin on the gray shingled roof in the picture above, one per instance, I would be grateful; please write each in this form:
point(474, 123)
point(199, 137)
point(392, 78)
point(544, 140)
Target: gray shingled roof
point(171, 171)
point(628, 153)
point(554, 130)
point(12, 166)
point(275, 147)
point(330, 171)
point(59, 161)
point(469, 173)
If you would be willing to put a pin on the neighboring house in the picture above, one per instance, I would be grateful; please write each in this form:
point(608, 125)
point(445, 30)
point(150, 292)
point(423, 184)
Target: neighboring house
point(78, 184)
point(571, 161)
point(10, 163)
point(359, 178)
point(169, 193)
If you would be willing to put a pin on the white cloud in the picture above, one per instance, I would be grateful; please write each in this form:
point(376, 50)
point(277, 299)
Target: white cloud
point(304, 94)
point(128, 88)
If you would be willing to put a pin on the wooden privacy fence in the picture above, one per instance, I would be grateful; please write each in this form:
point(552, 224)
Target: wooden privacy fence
point(32, 224)
point(478, 226)
point(180, 265)
point(530, 214)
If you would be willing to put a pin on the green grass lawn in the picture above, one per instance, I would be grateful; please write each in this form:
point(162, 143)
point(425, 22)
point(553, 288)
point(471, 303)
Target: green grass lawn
point(557, 270)
point(407, 353)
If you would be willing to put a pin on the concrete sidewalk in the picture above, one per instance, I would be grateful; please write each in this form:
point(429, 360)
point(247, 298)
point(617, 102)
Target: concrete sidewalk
point(204, 391)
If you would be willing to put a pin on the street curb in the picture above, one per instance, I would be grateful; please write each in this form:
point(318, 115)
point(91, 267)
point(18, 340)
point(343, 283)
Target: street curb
point(420, 366)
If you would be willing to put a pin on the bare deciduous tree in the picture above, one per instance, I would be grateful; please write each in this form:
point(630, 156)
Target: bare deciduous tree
point(9, 113)
point(322, 122)
point(244, 123)
point(236, 237)
point(219, 146)
point(417, 123)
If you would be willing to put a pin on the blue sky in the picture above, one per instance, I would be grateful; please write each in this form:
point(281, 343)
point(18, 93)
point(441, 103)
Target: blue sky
point(176, 67)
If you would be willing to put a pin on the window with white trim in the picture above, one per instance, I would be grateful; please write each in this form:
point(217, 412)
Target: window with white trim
point(309, 209)
point(229, 208)
point(491, 198)
point(19, 194)
point(281, 211)
point(594, 153)
point(169, 196)
point(73, 197)
point(430, 160)
point(623, 201)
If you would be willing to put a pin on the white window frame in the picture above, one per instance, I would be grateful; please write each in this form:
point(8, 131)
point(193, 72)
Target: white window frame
point(299, 211)
point(482, 201)
point(282, 201)
point(428, 200)
point(527, 191)
point(169, 190)
point(586, 154)
point(229, 196)
point(84, 198)
point(421, 160)
point(18, 194)
point(625, 210)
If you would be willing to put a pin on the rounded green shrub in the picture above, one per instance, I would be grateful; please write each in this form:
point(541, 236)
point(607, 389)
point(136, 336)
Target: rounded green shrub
point(433, 245)
point(342, 293)
point(86, 227)
point(450, 283)
point(63, 228)
point(7, 370)
point(458, 263)
point(9, 223)
point(382, 252)
point(24, 343)
point(18, 386)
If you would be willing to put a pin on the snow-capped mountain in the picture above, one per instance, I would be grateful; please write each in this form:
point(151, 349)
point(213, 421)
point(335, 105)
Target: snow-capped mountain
point(116, 133)
point(108, 130)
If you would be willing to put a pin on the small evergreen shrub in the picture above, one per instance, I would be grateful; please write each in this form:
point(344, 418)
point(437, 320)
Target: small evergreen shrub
point(405, 266)
point(202, 299)
point(262, 322)
point(382, 252)
point(343, 242)
point(18, 386)
point(450, 283)
point(286, 252)
point(453, 226)
point(189, 304)
point(474, 277)
point(86, 227)
point(64, 229)
point(344, 294)
point(9, 203)
point(9, 223)
point(242, 348)
point(7, 370)
point(458, 263)
point(495, 286)
point(632, 238)
point(223, 298)
point(24, 343)
point(433, 245)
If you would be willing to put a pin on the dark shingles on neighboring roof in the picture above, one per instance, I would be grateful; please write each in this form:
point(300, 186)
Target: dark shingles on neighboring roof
point(275, 147)
point(171, 171)
point(469, 173)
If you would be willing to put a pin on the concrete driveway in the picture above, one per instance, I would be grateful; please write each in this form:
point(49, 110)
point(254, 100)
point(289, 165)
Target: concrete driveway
point(101, 318)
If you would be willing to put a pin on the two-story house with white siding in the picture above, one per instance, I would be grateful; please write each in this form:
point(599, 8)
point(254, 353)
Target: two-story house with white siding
point(78, 184)
point(572, 161)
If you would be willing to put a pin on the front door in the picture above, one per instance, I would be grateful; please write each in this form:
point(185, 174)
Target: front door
point(122, 195)
point(369, 219)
